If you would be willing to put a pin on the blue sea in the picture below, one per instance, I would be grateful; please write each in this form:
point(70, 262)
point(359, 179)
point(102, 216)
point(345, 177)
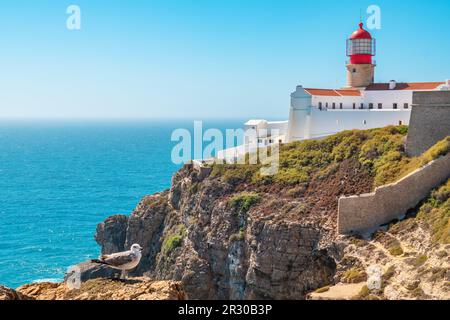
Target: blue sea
point(59, 179)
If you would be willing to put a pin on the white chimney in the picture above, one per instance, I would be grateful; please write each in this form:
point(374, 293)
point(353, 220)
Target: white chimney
point(445, 86)
point(392, 84)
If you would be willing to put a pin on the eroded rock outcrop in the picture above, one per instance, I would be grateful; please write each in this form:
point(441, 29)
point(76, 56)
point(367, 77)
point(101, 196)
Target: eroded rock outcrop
point(10, 294)
point(98, 289)
point(275, 250)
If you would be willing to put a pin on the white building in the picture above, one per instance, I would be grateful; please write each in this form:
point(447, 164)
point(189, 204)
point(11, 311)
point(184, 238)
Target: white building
point(362, 104)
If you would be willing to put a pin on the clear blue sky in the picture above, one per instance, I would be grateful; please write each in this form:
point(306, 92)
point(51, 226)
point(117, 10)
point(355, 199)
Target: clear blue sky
point(200, 58)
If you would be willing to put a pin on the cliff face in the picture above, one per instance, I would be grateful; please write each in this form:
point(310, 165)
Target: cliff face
point(234, 234)
point(279, 248)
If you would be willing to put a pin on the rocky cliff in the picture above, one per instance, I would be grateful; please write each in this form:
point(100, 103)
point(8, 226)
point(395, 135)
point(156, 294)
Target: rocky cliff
point(98, 289)
point(216, 251)
point(232, 234)
point(210, 236)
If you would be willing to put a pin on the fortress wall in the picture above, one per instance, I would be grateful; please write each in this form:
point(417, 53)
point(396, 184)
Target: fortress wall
point(357, 214)
point(430, 121)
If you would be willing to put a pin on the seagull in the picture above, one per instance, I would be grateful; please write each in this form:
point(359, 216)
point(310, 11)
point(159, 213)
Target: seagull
point(123, 261)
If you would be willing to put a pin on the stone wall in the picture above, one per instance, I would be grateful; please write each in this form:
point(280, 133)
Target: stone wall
point(360, 75)
point(358, 214)
point(430, 121)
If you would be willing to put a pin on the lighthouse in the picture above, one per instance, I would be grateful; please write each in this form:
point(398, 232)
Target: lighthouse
point(360, 68)
point(362, 104)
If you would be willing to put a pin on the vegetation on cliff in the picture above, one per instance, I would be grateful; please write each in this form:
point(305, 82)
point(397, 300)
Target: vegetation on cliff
point(242, 202)
point(234, 234)
point(436, 213)
point(174, 239)
point(380, 151)
point(413, 252)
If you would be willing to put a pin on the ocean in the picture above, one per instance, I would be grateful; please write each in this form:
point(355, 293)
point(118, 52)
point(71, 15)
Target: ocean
point(59, 179)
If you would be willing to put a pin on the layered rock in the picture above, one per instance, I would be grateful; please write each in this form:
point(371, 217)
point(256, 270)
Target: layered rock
point(11, 294)
point(227, 254)
point(99, 289)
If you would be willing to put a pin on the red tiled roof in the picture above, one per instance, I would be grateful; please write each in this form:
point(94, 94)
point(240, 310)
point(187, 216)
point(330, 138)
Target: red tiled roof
point(405, 86)
point(349, 93)
point(322, 92)
point(333, 93)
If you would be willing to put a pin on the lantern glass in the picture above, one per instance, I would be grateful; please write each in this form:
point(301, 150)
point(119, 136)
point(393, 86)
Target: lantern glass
point(361, 46)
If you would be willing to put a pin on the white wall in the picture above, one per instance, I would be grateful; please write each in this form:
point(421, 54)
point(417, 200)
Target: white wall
point(388, 98)
point(298, 126)
point(281, 126)
point(347, 101)
point(322, 123)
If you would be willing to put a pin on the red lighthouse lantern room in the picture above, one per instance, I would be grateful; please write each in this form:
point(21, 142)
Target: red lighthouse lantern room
point(361, 46)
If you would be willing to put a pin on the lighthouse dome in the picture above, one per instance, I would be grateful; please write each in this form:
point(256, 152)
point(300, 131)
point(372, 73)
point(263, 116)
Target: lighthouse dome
point(360, 33)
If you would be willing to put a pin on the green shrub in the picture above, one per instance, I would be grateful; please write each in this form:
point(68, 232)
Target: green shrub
point(234, 174)
point(396, 251)
point(418, 261)
point(323, 289)
point(436, 213)
point(242, 202)
point(174, 240)
point(238, 236)
point(358, 242)
point(439, 149)
point(363, 293)
point(297, 191)
point(418, 293)
point(354, 275)
point(194, 188)
point(390, 272)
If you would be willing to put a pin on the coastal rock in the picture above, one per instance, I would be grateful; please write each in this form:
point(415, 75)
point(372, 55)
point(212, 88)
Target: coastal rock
point(89, 271)
point(112, 234)
point(10, 294)
point(105, 289)
point(190, 234)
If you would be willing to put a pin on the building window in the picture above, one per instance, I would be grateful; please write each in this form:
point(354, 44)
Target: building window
point(380, 106)
point(406, 106)
point(354, 105)
point(395, 105)
point(370, 105)
point(341, 106)
point(362, 106)
point(326, 105)
point(354, 70)
point(334, 105)
point(320, 105)
point(259, 140)
point(270, 141)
